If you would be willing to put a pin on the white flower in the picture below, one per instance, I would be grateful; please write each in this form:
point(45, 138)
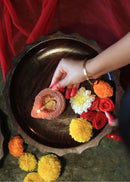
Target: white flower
point(82, 100)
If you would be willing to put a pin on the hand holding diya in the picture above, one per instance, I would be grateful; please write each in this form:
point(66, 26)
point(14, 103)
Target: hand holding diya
point(48, 104)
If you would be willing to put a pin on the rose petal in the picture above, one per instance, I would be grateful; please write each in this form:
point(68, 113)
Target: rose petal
point(95, 104)
point(106, 104)
point(99, 120)
point(89, 115)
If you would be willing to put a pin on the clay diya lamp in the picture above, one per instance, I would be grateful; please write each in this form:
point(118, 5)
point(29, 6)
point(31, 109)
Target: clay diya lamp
point(48, 104)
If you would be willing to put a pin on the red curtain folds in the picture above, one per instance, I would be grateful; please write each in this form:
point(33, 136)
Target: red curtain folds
point(105, 21)
point(22, 22)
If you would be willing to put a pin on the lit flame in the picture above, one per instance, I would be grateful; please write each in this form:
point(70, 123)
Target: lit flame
point(38, 111)
point(44, 106)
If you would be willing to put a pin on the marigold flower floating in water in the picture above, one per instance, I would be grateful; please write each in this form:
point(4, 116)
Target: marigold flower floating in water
point(33, 177)
point(82, 100)
point(49, 167)
point(80, 130)
point(102, 89)
point(15, 146)
point(27, 162)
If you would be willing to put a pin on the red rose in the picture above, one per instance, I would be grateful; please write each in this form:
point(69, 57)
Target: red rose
point(89, 115)
point(95, 104)
point(106, 104)
point(99, 120)
point(96, 112)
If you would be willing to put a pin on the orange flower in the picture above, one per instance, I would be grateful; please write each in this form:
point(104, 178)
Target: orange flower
point(102, 89)
point(15, 146)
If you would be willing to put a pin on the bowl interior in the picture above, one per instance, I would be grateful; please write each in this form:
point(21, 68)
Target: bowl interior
point(33, 73)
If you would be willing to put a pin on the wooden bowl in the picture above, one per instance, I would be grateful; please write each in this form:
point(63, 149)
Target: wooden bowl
point(32, 71)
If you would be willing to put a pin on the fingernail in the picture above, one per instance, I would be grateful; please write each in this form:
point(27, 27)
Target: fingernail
point(73, 92)
point(51, 85)
point(68, 92)
point(56, 87)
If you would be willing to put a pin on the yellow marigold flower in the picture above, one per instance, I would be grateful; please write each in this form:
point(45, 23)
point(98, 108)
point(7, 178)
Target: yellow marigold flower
point(27, 162)
point(49, 167)
point(15, 146)
point(33, 177)
point(82, 100)
point(102, 89)
point(80, 130)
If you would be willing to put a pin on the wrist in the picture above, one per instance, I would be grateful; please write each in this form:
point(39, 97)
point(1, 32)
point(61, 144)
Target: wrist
point(91, 69)
point(85, 72)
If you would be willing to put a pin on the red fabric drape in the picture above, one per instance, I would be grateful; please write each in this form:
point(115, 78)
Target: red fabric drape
point(21, 22)
point(105, 21)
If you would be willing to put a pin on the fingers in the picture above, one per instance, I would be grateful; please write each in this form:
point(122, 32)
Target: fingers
point(74, 90)
point(56, 78)
point(58, 75)
point(71, 91)
point(55, 87)
point(62, 90)
point(68, 92)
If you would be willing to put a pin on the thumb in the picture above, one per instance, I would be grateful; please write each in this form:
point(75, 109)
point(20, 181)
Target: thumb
point(59, 85)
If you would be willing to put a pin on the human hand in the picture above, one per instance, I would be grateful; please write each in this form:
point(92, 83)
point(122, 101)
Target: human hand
point(69, 73)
